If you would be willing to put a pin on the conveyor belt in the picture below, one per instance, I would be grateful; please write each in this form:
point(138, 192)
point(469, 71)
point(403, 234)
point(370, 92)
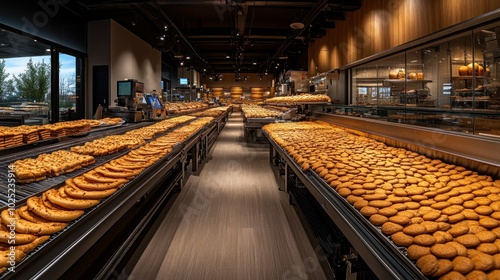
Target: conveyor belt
point(81, 233)
point(24, 191)
point(385, 259)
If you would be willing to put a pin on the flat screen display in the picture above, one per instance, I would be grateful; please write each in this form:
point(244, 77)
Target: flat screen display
point(183, 81)
point(154, 101)
point(124, 88)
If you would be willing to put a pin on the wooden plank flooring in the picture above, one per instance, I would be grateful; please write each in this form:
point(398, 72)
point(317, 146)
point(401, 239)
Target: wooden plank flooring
point(230, 222)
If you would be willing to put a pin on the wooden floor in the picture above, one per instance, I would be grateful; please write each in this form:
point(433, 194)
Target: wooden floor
point(230, 221)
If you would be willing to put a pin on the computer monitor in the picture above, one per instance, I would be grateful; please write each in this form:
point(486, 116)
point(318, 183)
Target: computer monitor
point(125, 88)
point(154, 101)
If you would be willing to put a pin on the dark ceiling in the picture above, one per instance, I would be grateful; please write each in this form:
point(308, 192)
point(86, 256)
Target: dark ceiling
point(225, 36)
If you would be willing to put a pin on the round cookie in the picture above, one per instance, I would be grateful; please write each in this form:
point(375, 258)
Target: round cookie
point(495, 274)
point(487, 248)
point(484, 210)
point(475, 229)
point(442, 237)
point(430, 227)
point(458, 230)
point(496, 258)
point(461, 250)
point(378, 220)
point(468, 240)
point(483, 262)
point(360, 203)
point(444, 266)
point(483, 201)
point(402, 239)
point(368, 211)
point(452, 275)
point(388, 211)
point(452, 210)
point(416, 251)
point(415, 229)
point(453, 219)
point(488, 222)
point(399, 206)
point(456, 200)
point(412, 205)
point(431, 215)
point(428, 264)
point(476, 275)
point(379, 203)
point(470, 214)
point(390, 228)
point(400, 220)
point(463, 265)
point(486, 236)
point(424, 240)
point(441, 205)
point(444, 251)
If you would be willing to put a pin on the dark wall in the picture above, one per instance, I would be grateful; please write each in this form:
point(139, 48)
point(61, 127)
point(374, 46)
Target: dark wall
point(47, 19)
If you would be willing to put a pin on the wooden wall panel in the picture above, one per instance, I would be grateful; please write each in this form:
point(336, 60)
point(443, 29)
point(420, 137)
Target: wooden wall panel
point(383, 24)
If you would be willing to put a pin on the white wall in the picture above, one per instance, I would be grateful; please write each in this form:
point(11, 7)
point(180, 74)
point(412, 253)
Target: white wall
point(133, 58)
point(127, 55)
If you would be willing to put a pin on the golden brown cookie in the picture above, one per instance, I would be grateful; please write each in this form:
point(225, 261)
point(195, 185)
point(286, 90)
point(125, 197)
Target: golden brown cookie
point(441, 205)
point(475, 229)
point(375, 196)
point(402, 239)
point(487, 248)
point(463, 265)
point(388, 211)
point(461, 250)
point(390, 228)
point(352, 199)
point(360, 203)
point(430, 227)
point(345, 192)
point(368, 211)
point(378, 219)
point(486, 236)
point(470, 214)
point(416, 251)
point(400, 220)
point(494, 275)
point(424, 240)
point(476, 275)
point(379, 203)
point(484, 210)
point(483, 262)
point(452, 275)
point(482, 201)
point(467, 196)
point(496, 258)
point(441, 237)
point(399, 206)
point(456, 200)
point(428, 264)
point(444, 266)
point(452, 210)
point(458, 230)
point(468, 240)
point(453, 219)
point(412, 205)
point(416, 220)
point(444, 251)
point(496, 231)
point(431, 215)
point(415, 229)
point(444, 226)
point(489, 223)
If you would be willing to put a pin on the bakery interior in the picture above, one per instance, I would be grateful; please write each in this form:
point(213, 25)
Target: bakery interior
point(235, 139)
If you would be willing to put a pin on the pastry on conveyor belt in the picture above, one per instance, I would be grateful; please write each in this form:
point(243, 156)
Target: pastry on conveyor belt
point(18, 238)
point(60, 198)
point(85, 184)
point(73, 191)
point(56, 214)
point(36, 228)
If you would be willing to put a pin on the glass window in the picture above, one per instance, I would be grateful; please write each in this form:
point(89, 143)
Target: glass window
point(70, 89)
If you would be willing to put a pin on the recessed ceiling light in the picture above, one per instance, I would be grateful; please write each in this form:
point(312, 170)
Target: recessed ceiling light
point(47, 50)
point(188, 57)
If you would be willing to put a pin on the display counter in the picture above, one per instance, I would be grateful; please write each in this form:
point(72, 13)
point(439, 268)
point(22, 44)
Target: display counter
point(86, 246)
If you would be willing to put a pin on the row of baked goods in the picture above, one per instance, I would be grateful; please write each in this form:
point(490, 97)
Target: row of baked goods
point(184, 107)
point(254, 111)
point(49, 165)
point(51, 212)
point(212, 112)
point(131, 139)
point(302, 98)
point(444, 217)
point(27, 134)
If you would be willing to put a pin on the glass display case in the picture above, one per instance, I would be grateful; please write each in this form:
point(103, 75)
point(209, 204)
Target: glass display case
point(449, 83)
